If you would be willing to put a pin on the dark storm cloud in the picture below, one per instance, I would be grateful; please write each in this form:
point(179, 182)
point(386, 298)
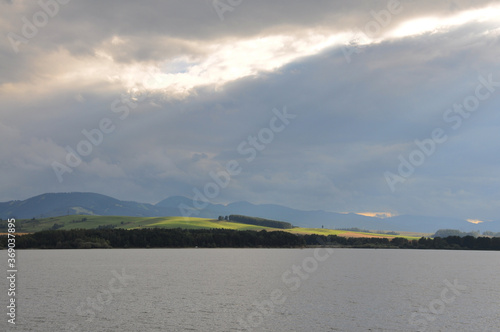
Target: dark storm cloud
point(354, 119)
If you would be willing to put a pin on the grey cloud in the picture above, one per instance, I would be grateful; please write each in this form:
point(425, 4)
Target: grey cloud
point(353, 119)
point(156, 30)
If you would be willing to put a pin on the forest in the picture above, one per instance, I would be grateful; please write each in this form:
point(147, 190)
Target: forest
point(226, 238)
point(258, 221)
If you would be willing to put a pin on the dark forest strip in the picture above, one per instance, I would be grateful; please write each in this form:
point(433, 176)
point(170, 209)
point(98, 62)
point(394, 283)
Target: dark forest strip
point(224, 238)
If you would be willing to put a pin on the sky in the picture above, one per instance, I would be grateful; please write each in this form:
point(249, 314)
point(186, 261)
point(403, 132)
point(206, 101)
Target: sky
point(375, 107)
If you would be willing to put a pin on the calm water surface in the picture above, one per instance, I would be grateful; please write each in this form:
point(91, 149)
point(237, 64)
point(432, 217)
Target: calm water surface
point(255, 289)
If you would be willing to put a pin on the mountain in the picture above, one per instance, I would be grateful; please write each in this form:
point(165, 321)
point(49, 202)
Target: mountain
point(318, 218)
point(59, 204)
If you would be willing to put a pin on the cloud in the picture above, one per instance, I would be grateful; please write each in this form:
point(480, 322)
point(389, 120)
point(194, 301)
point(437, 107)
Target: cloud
point(381, 215)
point(195, 87)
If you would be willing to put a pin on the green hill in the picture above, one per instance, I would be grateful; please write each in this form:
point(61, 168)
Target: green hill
point(93, 222)
point(260, 221)
point(96, 222)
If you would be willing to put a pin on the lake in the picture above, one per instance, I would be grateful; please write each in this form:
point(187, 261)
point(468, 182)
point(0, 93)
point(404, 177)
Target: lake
point(355, 290)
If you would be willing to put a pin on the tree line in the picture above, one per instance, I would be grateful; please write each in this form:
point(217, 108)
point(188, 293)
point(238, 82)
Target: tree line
point(258, 221)
point(226, 238)
point(154, 238)
point(450, 242)
point(454, 232)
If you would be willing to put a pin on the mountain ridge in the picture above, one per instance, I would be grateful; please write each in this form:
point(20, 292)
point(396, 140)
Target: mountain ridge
point(87, 203)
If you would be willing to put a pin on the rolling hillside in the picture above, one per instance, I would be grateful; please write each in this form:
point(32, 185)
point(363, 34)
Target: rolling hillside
point(91, 204)
point(93, 222)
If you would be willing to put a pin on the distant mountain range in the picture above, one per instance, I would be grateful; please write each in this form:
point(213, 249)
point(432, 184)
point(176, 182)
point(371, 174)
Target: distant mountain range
point(59, 204)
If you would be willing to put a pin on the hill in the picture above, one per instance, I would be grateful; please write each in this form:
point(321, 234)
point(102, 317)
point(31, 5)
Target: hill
point(119, 222)
point(103, 222)
point(60, 204)
point(260, 221)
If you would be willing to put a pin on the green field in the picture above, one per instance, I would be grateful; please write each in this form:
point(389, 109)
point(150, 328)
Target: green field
point(319, 231)
point(326, 232)
point(91, 222)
